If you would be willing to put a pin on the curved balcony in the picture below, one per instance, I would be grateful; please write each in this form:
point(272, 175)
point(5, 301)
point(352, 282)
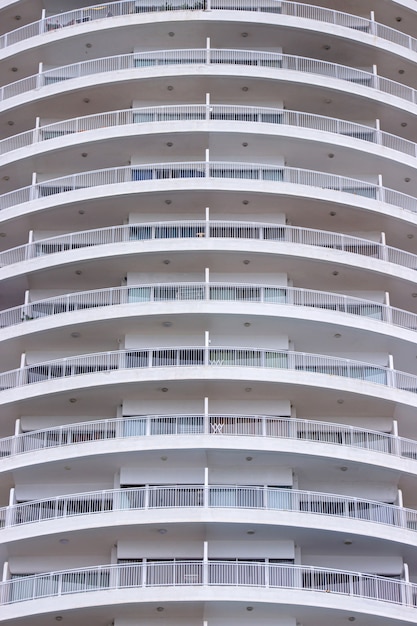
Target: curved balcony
point(132, 175)
point(197, 362)
point(113, 502)
point(199, 573)
point(280, 7)
point(143, 294)
point(138, 233)
point(309, 436)
point(120, 67)
point(94, 127)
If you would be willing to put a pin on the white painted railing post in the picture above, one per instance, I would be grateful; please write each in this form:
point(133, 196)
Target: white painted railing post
point(207, 284)
point(206, 487)
point(208, 60)
point(206, 347)
point(206, 416)
point(396, 441)
point(372, 25)
point(39, 77)
point(207, 164)
point(387, 317)
point(391, 377)
point(207, 106)
point(33, 194)
point(381, 190)
point(407, 592)
point(205, 580)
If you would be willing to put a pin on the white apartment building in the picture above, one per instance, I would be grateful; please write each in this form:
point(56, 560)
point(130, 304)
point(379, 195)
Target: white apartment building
point(208, 313)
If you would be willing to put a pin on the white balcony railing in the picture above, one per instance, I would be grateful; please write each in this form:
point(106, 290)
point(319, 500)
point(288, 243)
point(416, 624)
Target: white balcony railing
point(263, 172)
point(284, 7)
point(213, 292)
point(212, 112)
point(192, 573)
point(208, 57)
point(194, 356)
point(311, 432)
point(212, 496)
point(208, 229)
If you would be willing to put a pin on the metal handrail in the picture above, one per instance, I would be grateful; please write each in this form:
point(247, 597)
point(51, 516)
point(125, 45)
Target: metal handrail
point(208, 56)
point(202, 573)
point(195, 356)
point(208, 229)
point(207, 112)
point(208, 496)
point(208, 291)
point(269, 426)
point(186, 170)
point(283, 7)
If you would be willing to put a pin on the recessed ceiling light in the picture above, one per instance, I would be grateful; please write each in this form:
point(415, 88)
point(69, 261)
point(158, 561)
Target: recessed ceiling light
point(84, 154)
point(328, 101)
point(326, 46)
point(64, 541)
point(75, 335)
point(73, 400)
point(352, 619)
point(160, 609)
point(407, 180)
point(398, 19)
point(14, 69)
point(246, 262)
point(248, 389)
point(164, 458)
point(17, 17)
point(58, 618)
point(343, 468)
point(247, 324)
point(332, 213)
point(410, 236)
point(335, 273)
point(244, 34)
point(168, 202)
point(3, 235)
point(171, 34)
point(164, 389)
point(331, 155)
point(81, 212)
point(6, 178)
point(403, 124)
point(169, 144)
point(249, 608)
point(78, 272)
point(401, 71)
point(166, 261)
point(67, 467)
point(162, 531)
point(86, 100)
point(245, 202)
point(348, 542)
point(249, 458)
point(337, 335)
point(170, 88)
point(250, 532)
point(10, 123)
point(340, 401)
point(245, 144)
point(88, 45)
point(245, 88)
point(414, 295)
point(167, 324)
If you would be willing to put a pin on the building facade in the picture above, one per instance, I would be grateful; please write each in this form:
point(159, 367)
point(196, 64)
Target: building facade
point(208, 320)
